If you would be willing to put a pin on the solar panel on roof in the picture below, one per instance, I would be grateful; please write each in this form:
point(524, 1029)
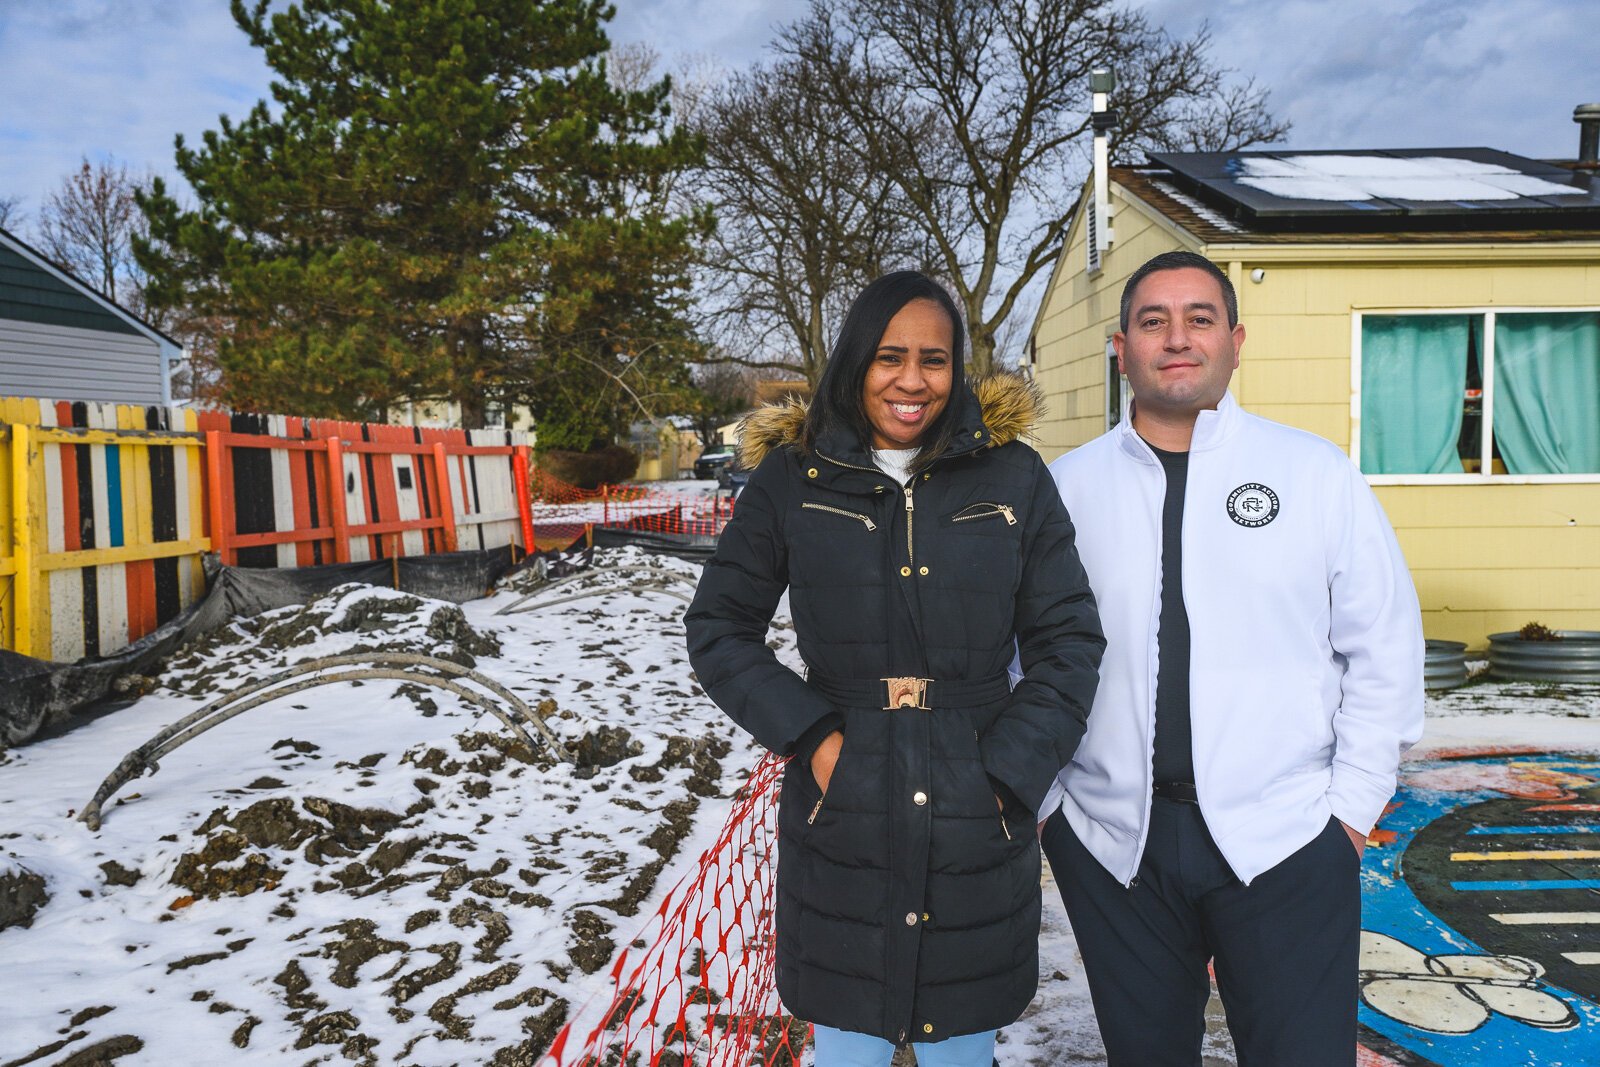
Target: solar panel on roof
point(1382, 184)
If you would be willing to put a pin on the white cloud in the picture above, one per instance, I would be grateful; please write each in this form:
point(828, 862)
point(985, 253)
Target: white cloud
point(92, 78)
point(109, 77)
point(1380, 74)
point(733, 31)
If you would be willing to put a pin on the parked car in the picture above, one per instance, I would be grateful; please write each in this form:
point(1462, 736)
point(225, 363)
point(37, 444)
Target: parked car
point(712, 461)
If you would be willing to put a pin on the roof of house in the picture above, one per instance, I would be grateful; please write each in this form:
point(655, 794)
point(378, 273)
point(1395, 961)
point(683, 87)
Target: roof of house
point(775, 390)
point(34, 289)
point(1376, 196)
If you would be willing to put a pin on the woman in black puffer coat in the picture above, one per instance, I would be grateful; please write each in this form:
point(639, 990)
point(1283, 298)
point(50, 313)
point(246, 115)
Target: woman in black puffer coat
point(921, 544)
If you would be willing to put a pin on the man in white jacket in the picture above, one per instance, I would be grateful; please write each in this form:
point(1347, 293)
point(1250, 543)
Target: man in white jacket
point(1262, 677)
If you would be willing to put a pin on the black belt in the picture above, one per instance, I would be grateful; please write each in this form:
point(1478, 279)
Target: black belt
point(1183, 792)
point(909, 692)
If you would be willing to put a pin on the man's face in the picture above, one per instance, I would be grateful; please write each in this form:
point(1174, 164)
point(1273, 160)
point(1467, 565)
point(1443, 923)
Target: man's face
point(1179, 352)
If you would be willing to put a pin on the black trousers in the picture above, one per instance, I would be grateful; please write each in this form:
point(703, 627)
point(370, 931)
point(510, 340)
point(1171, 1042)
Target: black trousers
point(1286, 947)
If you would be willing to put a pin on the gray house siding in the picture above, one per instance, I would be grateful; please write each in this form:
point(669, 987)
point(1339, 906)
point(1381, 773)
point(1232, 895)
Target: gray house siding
point(62, 340)
point(70, 363)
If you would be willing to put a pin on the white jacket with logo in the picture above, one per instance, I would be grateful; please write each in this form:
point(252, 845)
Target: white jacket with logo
point(1305, 671)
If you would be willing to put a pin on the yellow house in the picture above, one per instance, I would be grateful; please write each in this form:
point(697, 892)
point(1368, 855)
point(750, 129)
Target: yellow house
point(1434, 312)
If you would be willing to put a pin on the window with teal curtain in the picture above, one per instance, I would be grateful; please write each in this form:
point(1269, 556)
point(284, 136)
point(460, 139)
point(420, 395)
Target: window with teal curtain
point(1413, 373)
point(1547, 392)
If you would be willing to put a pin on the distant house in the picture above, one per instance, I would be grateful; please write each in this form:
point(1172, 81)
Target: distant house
point(768, 391)
point(61, 339)
point(1436, 312)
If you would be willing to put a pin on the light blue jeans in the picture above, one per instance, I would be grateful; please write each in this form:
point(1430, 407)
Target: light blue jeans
point(842, 1048)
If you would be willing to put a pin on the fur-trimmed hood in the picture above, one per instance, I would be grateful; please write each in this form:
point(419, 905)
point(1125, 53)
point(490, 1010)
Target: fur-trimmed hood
point(1010, 405)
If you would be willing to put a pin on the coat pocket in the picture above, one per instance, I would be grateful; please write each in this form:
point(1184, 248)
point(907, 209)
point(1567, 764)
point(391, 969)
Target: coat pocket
point(988, 787)
point(865, 520)
point(816, 786)
point(984, 510)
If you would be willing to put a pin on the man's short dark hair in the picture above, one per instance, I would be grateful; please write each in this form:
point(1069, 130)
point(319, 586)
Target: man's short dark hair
point(1178, 261)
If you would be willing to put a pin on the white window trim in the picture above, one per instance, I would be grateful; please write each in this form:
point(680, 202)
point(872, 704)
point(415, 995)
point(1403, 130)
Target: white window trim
point(1487, 360)
point(1124, 392)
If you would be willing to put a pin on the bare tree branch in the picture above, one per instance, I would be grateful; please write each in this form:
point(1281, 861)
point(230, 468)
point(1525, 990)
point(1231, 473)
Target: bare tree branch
point(88, 224)
point(977, 112)
point(803, 219)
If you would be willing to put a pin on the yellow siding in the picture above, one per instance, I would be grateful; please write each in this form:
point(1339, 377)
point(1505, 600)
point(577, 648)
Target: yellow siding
point(1486, 558)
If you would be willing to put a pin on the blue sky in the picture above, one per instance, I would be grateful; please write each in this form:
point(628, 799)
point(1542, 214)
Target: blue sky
point(121, 77)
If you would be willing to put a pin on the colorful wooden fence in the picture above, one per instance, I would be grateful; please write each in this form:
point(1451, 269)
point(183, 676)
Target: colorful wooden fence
point(109, 508)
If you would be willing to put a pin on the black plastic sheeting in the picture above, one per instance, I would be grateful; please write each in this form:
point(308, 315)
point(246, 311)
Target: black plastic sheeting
point(42, 696)
point(696, 548)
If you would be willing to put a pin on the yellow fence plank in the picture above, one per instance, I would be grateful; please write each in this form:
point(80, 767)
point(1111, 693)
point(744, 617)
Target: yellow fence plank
point(195, 584)
point(76, 436)
point(98, 557)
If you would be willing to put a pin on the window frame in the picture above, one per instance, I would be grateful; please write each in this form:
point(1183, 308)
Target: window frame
point(1115, 383)
point(1486, 361)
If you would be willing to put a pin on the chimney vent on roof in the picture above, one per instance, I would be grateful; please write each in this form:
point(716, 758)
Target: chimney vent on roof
point(1587, 116)
point(1103, 119)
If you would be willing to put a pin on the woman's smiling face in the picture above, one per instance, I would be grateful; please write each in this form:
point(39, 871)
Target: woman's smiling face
point(908, 383)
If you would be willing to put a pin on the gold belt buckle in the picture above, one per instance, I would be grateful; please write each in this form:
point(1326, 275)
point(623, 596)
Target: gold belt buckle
point(907, 693)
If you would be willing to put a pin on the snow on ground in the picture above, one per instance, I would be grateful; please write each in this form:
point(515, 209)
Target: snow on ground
point(378, 872)
point(370, 872)
point(683, 486)
point(694, 495)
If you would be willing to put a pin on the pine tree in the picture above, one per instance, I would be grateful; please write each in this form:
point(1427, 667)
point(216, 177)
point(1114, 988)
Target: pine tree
point(421, 213)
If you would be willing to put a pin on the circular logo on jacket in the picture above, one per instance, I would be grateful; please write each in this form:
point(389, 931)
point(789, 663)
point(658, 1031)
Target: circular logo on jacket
point(1252, 504)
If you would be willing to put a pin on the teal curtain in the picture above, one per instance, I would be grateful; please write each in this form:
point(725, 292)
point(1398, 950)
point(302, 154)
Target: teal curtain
point(1547, 392)
point(1413, 373)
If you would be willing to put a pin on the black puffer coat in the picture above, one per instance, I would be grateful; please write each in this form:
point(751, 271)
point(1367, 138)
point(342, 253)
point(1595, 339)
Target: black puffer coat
point(908, 903)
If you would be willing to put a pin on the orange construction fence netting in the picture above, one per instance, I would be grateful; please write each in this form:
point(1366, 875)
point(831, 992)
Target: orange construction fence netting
point(696, 985)
point(563, 513)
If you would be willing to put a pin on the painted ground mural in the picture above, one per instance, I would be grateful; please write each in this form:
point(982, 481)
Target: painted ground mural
point(1481, 914)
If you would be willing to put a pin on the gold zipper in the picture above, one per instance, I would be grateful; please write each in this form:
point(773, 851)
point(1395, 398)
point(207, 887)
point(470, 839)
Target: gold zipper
point(911, 553)
point(995, 509)
point(851, 466)
point(1004, 827)
point(818, 807)
point(840, 511)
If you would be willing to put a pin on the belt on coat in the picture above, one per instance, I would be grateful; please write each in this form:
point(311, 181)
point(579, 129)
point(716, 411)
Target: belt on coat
point(910, 692)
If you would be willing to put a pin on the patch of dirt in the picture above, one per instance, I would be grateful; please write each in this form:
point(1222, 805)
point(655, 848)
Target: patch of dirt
point(382, 620)
point(594, 947)
point(22, 894)
point(225, 864)
point(329, 1028)
point(541, 1029)
point(410, 984)
point(117, 874)
point(104, 1052)
point(357, 945)
point(297, 988)
point(604, 746)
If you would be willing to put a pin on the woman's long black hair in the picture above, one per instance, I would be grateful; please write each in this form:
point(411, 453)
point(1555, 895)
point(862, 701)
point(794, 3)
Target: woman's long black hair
point(837, 403)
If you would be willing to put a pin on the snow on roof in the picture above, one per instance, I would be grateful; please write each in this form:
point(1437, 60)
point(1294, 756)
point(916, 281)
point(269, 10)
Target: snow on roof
point(1201, 211)
point(1370, 177)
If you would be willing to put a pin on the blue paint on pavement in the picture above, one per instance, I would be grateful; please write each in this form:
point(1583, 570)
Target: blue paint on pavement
point(1432, 813)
